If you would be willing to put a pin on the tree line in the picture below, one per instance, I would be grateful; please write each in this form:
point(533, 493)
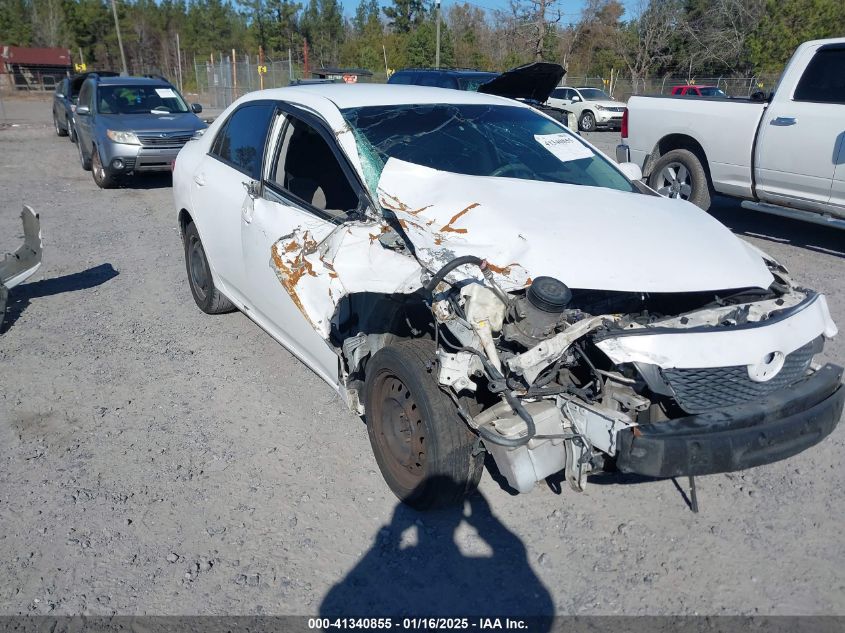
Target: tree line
point(657, 37)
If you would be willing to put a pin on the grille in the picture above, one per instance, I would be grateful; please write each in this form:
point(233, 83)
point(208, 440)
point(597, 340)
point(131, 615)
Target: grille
point(699, 390)
point(175, 140)
point(129, 164)
point(616, 109)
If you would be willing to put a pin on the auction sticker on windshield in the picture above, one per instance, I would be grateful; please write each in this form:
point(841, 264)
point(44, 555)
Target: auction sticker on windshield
point(165, 93)
point(564, 146)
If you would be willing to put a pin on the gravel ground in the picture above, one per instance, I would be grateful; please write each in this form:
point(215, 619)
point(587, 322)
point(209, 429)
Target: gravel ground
point(155, 460)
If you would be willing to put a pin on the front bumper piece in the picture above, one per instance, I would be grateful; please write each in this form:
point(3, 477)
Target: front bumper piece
point(735, 438)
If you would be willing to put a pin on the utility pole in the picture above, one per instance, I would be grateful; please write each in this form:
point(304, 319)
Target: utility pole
point(437, 17)
point(179, 61)
point(119, 39)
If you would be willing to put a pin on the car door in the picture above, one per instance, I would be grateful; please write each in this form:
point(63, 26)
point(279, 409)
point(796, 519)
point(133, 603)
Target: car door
point(799, 136)
point(84, 120)
point(219, 191)
point(308, 192)
point(837, 190)
point(559, 98)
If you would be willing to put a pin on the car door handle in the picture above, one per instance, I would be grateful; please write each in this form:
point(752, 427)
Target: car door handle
point(783, 121)
point(199, 179)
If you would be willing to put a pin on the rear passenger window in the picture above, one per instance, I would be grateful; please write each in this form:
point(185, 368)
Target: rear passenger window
point(241, 141)
point(824, 79)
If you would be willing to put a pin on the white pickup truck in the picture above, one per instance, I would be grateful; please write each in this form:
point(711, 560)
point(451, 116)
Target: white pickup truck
point(783, 155)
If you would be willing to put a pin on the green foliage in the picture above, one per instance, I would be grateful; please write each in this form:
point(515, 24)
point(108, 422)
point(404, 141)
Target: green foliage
point(420, 46)
point(788, 23)
point(15, 23)
point(404, 15)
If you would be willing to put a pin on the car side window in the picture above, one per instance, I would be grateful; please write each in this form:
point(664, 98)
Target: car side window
point(241, 141)
point(435, 80)
point(85, 94)
point(306, 167)
point(560, 93)
point(824, 80)
point(402, 78)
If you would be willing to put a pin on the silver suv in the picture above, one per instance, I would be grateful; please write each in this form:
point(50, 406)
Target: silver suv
point(131, 124)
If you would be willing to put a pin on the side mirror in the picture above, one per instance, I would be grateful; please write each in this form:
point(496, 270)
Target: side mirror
point(60, 95)
point(575, 98)
point(253, 188)
point(631, 170)
point(83, 110)
point(196, 108)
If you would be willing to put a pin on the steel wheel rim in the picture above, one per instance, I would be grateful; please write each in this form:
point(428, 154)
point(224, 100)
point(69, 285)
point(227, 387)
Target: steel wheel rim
point(399, 431)
point(675, 181)
point(198, 269)
point(56, 123)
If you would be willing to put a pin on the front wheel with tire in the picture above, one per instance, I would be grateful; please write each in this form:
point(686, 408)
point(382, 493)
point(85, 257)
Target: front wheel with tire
point(208, 298)
point(680, 174)
point(587, 122)
point(83, 160)
point(423, 447)
point(104, 178)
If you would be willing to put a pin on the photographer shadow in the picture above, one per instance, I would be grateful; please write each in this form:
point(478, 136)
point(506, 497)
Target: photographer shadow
point(430, 576)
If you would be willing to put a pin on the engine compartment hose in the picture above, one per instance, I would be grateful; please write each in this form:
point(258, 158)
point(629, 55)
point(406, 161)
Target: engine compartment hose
point(440, 275)
point(512, 400)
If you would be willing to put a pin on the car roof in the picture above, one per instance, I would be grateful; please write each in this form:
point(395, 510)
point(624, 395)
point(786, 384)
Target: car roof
point(449, 71)
point(358, 95)
point(132, 81)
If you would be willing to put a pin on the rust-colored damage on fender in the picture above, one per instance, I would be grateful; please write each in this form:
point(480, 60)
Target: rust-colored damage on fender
point(318, 274)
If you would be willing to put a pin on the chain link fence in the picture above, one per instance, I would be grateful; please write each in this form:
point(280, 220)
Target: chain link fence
point(624, 87)
point(220, 80)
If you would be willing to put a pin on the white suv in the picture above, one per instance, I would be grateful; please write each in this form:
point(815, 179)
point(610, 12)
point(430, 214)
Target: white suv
point(592, 106)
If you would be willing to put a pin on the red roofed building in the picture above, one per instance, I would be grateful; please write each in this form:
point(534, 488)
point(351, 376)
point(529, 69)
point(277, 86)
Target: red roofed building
point(33, 68)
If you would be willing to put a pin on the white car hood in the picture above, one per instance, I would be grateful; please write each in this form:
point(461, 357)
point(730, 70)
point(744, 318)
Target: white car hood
point(588, 237)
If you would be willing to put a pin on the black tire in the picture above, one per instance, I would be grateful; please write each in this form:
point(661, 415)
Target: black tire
point(60, 131)
point(423, 447)
point(680, 174)
point(587, 122)
point(72, 133)
point(208, 298)
point(104, 178)
point(85, 161)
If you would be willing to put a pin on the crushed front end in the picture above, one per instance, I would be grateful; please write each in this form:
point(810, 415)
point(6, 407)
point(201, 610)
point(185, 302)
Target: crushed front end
point(659, 384)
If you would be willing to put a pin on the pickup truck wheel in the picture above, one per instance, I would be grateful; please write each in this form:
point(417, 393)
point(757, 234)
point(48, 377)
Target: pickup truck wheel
point(680, 174)
point(206, 295)
point(102, 176)
point(422, 446)
point(587, 122)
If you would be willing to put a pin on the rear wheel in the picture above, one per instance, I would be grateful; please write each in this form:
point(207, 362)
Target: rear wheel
point(104, 178)
point(206, 295)
point(680, 174)
point(60, 131)
point(423, 447)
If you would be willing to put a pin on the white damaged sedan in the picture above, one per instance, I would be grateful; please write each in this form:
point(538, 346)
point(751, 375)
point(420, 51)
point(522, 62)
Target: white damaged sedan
point(471, 277)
